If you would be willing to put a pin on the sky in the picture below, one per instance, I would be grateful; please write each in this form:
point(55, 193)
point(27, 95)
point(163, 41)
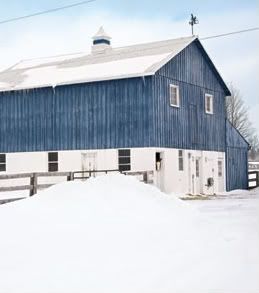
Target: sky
point(129, 22)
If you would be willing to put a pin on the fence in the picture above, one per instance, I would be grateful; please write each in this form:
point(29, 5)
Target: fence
point(33, 178)
point(253, 179)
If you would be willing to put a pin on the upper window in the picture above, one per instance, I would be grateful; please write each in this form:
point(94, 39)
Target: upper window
point(124, 160)
point(180, 160)
point(53, 161)
point(209, 104)
point(2, 162)
point(174, 95)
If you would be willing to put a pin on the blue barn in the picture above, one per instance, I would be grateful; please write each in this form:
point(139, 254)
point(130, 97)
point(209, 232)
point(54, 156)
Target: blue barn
point(158, 106)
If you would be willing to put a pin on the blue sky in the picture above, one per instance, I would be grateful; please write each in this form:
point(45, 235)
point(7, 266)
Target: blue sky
point(129, 22)
point(145, 8)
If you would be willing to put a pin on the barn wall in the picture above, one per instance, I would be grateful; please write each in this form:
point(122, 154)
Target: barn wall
point(236, 159)
point(193, 66)
point(189, 126)
point(168, 178)
point(111, 114)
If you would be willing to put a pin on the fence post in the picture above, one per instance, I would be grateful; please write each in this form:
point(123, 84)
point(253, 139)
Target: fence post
point(145, 177)
point(70, 177)
point(33, 183)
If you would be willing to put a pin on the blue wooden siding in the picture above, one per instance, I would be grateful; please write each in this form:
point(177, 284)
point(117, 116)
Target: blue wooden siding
point(236, 159)
point(119, 113)
point(111, 114)
point(189, 126)
point(193, 66)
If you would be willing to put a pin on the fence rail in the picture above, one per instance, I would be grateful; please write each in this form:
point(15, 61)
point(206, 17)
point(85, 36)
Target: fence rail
point(34, 185)
point(253, 179)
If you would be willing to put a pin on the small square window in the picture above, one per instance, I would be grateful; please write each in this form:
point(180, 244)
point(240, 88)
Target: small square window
point(53, 167)
point(124, 153)
point(53, 157)
point(209, 104)
point(174, 96)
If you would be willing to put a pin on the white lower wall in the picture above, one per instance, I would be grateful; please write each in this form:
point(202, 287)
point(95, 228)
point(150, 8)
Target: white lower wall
point(168, 178)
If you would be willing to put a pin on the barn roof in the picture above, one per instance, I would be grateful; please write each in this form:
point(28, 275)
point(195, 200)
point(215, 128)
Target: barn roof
point(115, 63)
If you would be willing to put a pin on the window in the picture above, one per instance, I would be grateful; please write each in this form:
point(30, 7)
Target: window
point(209, 104)
point(124, 160)
point(180, 160)
point(2, 162)
point(53, 161)
point(220, 168)
point(174, 95)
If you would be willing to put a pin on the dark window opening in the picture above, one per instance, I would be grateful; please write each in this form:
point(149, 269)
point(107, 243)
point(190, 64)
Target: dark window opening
point(180, 160)
point(124, 160)
point(2, 162)
point(53, 162)
point(158, 161)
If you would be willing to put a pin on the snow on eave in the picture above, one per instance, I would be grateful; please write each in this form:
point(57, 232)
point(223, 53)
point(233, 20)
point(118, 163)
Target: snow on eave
point(10, 89)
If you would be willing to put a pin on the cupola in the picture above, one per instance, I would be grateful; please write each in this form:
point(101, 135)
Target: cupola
point(101, 41)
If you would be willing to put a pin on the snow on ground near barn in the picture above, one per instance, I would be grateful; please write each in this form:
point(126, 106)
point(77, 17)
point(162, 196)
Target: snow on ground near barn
point(115, 234)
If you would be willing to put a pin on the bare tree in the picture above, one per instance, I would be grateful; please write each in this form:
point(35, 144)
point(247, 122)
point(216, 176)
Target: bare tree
point(237, 114)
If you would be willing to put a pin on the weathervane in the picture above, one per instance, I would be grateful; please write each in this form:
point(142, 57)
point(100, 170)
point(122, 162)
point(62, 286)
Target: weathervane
point(194, 20)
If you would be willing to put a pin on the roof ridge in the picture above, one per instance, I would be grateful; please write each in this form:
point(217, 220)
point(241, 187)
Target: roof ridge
point(100, 56)
point(44, 57)
point(155, 42)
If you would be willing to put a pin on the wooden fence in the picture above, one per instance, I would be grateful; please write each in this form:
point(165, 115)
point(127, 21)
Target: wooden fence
point(253, 179)
point(33, 178)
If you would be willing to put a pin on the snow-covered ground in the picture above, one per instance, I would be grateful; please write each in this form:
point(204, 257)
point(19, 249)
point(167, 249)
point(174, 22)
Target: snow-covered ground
point(115, 234)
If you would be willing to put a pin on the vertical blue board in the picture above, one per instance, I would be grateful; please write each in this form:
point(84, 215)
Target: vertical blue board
point(236, 159)
point(110, 114)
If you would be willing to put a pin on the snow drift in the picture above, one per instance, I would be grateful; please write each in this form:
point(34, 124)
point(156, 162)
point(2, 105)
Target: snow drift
point(113, 234)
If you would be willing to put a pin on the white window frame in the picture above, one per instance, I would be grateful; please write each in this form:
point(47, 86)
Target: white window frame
point(211, 98)
point(173, 86)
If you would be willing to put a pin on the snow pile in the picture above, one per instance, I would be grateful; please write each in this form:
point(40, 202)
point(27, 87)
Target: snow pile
point(115, 234)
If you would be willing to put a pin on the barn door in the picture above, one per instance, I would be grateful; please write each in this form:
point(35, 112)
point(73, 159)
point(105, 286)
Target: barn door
point(193, 125)
point(89, 163)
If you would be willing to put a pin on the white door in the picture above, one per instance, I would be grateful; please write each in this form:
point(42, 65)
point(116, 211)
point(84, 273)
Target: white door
point(89, 164)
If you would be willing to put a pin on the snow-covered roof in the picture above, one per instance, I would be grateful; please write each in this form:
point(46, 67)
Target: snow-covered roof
point(116, 63)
